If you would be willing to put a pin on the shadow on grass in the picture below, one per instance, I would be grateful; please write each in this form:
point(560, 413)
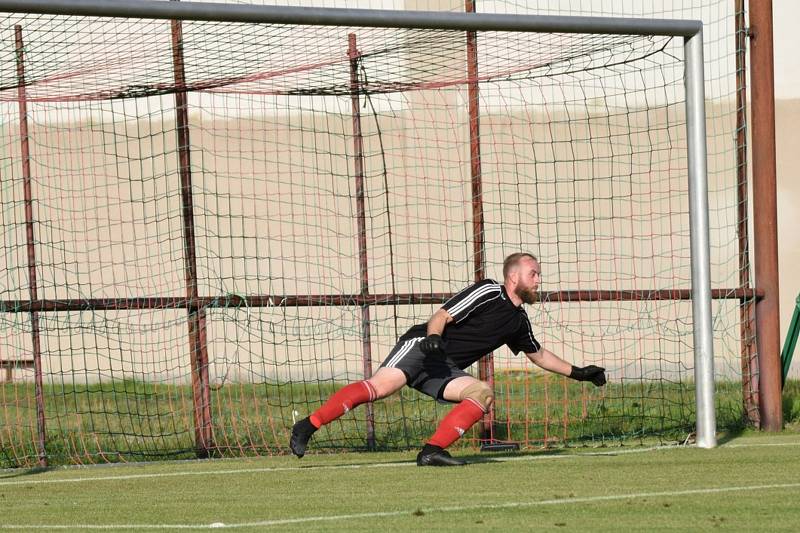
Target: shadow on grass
point(11, 474)
point(732, 434)
point(501, 457)
point(367, 464)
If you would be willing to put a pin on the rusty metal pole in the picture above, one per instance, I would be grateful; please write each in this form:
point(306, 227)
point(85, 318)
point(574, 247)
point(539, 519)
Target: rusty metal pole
point(41, 432)
point(486, 365)
point(361, 220)
point(198, 350)
point(765, 217)
point(749, 359)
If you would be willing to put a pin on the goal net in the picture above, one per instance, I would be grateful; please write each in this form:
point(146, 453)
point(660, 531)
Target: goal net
point(208, 227)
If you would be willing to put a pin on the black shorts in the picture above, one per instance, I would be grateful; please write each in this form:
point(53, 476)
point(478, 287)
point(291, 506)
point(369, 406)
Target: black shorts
point(425, 373)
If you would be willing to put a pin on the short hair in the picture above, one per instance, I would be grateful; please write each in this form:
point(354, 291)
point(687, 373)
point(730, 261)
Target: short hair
point(513, 260)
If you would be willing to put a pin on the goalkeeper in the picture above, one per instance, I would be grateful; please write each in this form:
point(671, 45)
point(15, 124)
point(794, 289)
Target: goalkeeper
point(431, 358)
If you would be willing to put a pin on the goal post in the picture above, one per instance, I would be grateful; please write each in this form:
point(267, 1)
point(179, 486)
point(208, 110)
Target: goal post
point(701, 257)
point(321, 246)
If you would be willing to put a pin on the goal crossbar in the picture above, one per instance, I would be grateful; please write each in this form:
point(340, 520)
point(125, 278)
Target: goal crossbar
point(378, 18)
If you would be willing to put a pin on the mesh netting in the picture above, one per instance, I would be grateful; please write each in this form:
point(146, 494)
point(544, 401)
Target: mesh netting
point(304, 161)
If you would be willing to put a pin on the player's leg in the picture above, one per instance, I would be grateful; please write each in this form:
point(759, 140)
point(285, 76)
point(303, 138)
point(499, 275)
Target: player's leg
point(474, 398)
point(385, 382)
point(390, 377)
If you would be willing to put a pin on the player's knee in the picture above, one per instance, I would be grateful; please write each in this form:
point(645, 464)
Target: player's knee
point(479, 392)
point(386, 382)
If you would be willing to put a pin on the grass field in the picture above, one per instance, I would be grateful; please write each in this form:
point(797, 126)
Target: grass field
point(750, 482)
point(131, 421)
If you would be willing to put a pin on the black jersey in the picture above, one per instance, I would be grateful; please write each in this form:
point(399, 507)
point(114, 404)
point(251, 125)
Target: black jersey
point(484, 318)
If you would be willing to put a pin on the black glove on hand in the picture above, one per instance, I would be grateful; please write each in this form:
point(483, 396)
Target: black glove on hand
point(595, 374)
point(432, 345)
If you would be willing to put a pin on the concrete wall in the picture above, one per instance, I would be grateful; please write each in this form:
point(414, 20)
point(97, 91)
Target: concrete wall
point(598, 196)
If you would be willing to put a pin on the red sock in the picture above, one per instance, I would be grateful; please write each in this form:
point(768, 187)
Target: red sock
point(342, 401)
point(456, 423)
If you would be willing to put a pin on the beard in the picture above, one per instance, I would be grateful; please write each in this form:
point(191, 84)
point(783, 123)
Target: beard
point(526, 294)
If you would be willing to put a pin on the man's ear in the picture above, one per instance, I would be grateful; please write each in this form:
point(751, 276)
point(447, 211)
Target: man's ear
point(514, 276)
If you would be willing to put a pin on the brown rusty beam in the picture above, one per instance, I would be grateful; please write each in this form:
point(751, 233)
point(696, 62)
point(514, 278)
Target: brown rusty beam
point(749, 359)
point(323, 300)
point(31, 246)
point(198, 351)
point(361, 221)
point(765, 214)
point(486, 364)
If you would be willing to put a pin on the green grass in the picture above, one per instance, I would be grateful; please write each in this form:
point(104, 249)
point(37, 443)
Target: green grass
point(135, 421)
point(791, 403)
point(749, 483)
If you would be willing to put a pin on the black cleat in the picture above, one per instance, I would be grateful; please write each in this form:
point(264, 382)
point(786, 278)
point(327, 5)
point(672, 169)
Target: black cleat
point(435, 456)
point(301, 433)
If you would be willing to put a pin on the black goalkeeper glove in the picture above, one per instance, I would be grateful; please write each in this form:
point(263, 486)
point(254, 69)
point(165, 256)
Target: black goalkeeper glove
point(432, 345)
point(595, 374)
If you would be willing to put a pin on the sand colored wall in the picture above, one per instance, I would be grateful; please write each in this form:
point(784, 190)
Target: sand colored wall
point(787, 116)
point(274, 208)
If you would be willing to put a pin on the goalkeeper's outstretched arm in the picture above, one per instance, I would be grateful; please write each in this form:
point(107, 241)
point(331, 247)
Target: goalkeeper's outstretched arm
point(553, 363)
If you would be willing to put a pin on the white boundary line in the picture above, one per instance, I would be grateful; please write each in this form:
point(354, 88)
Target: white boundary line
point(310, 468)
point(331, 518)
point(488, 460)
